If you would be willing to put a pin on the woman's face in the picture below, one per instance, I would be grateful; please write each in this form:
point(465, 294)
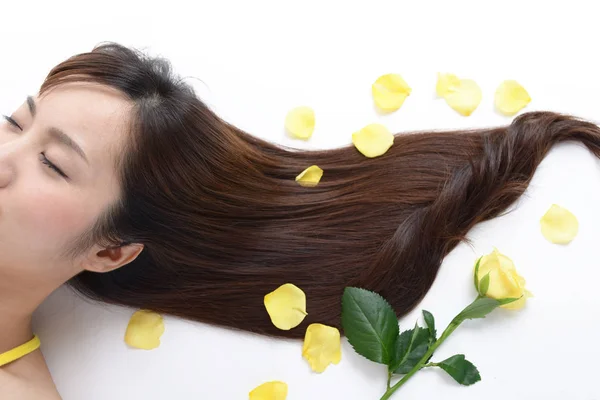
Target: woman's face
point(77, 128)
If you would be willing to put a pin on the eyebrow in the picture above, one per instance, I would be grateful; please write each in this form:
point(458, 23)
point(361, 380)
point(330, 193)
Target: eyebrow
point(57, 134)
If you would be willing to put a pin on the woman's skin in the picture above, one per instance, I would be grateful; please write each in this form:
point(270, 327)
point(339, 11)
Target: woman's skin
point(41, 211)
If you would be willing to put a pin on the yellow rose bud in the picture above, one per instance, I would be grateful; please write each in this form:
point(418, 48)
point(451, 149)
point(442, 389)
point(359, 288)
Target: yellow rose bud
point(504, 281)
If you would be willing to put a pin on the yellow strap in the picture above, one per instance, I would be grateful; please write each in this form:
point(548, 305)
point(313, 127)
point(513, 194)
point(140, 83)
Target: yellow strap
point(21, 351)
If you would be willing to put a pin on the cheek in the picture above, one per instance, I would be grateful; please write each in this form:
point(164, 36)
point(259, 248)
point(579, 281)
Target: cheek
point(47, 220)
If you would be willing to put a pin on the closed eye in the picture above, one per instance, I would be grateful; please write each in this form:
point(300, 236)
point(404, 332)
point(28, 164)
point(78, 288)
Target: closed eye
point(51, 165)
point(43, 157)
point(12, 122)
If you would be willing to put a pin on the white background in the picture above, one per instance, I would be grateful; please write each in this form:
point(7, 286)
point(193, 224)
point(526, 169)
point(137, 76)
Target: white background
point(254, 60)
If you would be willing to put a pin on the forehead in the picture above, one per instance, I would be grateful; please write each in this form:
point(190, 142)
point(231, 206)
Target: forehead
point(96, 117)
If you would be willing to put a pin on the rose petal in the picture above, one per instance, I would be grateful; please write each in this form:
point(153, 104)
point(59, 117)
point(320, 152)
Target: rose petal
point(274, 390)
point(300, 122)
point(464, 98)
point(390, 91)
point(446, 84)
point(505, 262)
point(373, 140)
point(559, 225)
point(310, 177)
point(519, 304)
point(286, 306)
point(322, 346)
point(511, 97)
point(144, 330)
point(505, 282)
point(502, 285)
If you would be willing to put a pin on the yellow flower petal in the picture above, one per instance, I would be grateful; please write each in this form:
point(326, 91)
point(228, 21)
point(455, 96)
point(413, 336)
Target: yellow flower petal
point(517, 305)
point(446, 84)
point(505, 262)
point(144, 330)
point(505, 282)
point(373, 140)
point(463, 98)
point(322, 346)
point(310, 177)
point(300, 122)
point(286, 306)
point(511, 97)
point(390, 91)
point(274, 390)
point(559, 225)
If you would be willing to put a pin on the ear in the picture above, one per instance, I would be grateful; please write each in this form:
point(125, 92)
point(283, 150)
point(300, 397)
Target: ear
point(110, 258)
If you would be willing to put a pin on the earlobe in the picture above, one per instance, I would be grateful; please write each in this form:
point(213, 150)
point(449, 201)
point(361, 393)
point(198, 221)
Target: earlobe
point(111, 258)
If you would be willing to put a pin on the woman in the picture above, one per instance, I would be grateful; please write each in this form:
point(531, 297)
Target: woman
point(118, 179)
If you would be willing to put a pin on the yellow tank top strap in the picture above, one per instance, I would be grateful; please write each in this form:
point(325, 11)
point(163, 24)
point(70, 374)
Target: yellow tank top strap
point(20, 351)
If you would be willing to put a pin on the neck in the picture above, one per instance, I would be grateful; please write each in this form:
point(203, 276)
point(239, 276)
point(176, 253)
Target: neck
point(16, 309)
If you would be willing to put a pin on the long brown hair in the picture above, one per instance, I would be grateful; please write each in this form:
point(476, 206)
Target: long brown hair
point(224, 222)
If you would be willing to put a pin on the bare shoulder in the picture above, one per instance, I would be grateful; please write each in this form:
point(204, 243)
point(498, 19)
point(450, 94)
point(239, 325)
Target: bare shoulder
point(27, 379)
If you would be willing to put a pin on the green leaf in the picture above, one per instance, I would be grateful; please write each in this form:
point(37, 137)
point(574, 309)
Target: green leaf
point(430, 321)
point(370, 324)
point(463, 371)
point(411, 346)
point(476, 273)
point(477, 309)
point(484, 284)
point(508, 300)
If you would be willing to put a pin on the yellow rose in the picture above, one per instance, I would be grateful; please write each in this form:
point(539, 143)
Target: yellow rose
point(504, 281)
